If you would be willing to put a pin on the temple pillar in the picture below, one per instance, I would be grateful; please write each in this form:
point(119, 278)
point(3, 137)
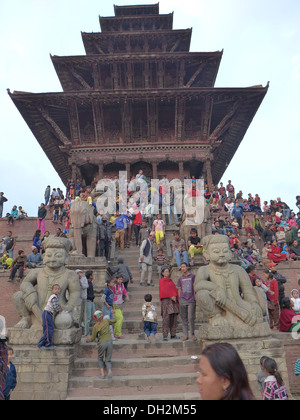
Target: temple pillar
point(181, 171)
point(100, 170)
point(207, 170)
point(154, 170)
point(127, 165)
point(74, 172)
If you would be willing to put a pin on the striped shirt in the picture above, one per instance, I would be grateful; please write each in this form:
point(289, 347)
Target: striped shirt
point(52, 304)
point(297, 367)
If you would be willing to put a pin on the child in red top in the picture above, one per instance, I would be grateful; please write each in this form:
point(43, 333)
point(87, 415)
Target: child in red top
point(67, 225)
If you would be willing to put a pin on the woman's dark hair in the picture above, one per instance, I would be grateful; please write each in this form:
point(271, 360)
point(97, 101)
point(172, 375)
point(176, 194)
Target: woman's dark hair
point(226, 362)
point(271, 367)
point(163, 270)
point(251, 268)
point(286, 303)
point(37, 233)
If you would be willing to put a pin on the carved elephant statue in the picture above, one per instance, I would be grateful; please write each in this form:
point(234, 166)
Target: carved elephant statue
point(83, 228)
point(200, 219)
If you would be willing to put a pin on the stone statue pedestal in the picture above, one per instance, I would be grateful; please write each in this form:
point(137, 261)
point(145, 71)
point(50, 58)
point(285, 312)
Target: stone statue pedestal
point(31, 336)
point(42, 374)
point(208, 332)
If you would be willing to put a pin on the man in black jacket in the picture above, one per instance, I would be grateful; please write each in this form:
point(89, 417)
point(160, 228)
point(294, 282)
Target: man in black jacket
point(104, 239)
point(268, 234)
point(281, 280)
point(122, 270)
point(2, 201)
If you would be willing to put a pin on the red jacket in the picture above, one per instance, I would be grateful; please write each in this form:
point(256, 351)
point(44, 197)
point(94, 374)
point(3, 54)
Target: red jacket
point(138, 218)
point(273, 286)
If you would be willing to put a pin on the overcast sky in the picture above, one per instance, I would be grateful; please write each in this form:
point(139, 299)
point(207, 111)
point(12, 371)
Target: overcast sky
point(260, 39)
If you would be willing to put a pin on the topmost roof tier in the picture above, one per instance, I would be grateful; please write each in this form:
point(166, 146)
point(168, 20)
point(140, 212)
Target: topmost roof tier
point(137, 18)
point(138, 10)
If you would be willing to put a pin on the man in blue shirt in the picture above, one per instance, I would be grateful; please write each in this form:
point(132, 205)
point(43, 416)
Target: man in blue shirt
point(121, 225)
point(34, 259)
point(237, 212)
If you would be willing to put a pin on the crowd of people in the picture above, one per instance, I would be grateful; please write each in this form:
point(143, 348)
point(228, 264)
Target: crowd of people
point(274, 224)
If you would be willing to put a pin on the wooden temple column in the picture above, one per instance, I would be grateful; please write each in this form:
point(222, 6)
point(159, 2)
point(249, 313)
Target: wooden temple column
point(74, 171)
point(154, 170)
point(181, 171)
point(127, 165)
point(100, 170)
point(207, 170)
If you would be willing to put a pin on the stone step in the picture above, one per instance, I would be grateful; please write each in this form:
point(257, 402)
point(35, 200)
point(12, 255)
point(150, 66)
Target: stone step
point(133, 348)
point(135, 383)
point(121, 365)
point(141, 393)
point(137, 366)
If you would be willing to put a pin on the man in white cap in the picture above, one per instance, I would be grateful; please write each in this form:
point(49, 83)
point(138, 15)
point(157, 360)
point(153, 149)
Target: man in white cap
point(34, 259)
point(83, 293)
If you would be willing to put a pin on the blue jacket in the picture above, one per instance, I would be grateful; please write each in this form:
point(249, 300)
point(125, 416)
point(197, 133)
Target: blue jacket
point(11, 379)
point(237, 212)
point(109, 296)
point(35, 258)
point(120, 222)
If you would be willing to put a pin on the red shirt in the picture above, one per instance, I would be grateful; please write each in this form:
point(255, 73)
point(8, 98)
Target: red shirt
point(273, 286)
point(138, 218)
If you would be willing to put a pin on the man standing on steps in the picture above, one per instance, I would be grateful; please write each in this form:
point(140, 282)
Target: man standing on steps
point(187, 301)
point(146, 259)
point(2, 201)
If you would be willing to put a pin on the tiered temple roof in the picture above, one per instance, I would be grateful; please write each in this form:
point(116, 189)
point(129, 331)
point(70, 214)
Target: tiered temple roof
point(140, 97)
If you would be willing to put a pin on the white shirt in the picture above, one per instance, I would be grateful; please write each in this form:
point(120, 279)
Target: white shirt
point(83, 287)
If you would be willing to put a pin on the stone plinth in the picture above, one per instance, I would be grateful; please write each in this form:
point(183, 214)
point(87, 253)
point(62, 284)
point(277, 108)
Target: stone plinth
point(42, 374)
point(31, 336)
point(207, 332)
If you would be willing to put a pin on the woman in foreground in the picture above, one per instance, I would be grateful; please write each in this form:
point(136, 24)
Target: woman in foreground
point(222, 374)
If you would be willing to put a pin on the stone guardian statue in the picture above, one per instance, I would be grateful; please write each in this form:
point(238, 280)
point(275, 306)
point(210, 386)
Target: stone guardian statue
point(35, 289)
point(224, 293)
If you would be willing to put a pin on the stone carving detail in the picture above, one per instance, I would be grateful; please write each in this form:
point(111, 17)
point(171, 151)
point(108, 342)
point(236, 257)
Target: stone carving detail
point(83, 227)
point(35, 289)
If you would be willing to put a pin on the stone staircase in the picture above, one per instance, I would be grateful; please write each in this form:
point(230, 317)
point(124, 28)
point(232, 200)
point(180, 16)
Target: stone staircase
point(141, 371)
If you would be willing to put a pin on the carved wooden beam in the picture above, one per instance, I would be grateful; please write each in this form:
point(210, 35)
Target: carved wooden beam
point(225, 123)
point(195, 75)
point(96, 76)
point(97, 47)
point(74, 125)
point(55, 128)
point(206, 118)
point(175, 46)
point(81, 80)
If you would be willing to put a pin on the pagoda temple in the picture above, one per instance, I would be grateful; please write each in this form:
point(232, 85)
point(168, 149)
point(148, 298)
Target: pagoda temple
point(139, 99)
